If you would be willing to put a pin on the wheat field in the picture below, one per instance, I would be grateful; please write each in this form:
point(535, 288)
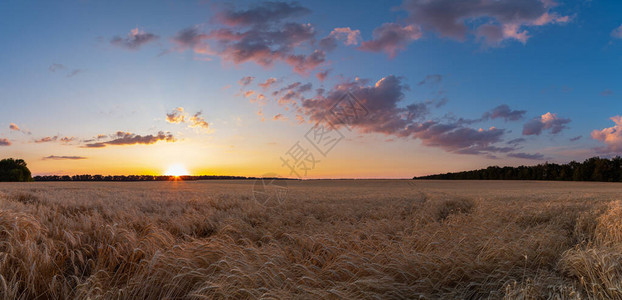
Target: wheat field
point(341, 239)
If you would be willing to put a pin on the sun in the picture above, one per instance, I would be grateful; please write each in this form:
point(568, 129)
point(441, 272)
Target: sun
point(176, 170)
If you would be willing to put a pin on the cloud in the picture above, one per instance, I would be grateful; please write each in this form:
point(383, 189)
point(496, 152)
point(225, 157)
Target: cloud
point(135, 39)
point(178, 115)
point(49, 139)
point(515, 141)
point(54, 157)
point(261, 34)
point(268, 83)
point(75, 72)
point(125, 138)
point(576, 138)
point(246, 80)
point(191, 38)
point(279, 117)
point(4, 142)
point(391, 38)
point(606, 93)
point(611, 136)
point(617, 33)
point(321, 76)
point(196, 121)
point(261, 14)
point(534, 156)
point(56, 67)
point(432, 78)
point(389, 114)
point(504, 112)
point(492, 21)
point(348, 36)
point(545, 122)
point(14, 127)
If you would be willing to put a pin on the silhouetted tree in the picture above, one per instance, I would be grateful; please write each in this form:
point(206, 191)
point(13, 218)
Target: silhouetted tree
point(592, 169)
point(14, 170)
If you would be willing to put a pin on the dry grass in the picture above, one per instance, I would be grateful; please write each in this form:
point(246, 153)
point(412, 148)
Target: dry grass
point(330, 240)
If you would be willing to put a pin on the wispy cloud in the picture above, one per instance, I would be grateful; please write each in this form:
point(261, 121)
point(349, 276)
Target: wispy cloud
point(178, 115)
point(534, 156)
point(135, 39)
point(125, 138)
point(54, 157)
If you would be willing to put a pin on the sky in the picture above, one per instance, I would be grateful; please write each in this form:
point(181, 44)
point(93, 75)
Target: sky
point(310, 89)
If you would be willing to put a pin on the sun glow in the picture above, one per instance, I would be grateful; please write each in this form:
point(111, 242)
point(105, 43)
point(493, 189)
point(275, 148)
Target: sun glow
point(176, 170)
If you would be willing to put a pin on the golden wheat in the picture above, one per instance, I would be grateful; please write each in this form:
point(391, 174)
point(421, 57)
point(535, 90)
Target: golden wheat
point(363, 239)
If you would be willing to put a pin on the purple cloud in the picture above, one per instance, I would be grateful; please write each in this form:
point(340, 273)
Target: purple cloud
point(389, 114)
point(504, 112)
point(126, 138)
point(259, 34)
point(391, 38)
point(246, 80)
point(135, 39)
point(502, 19)
point(54, 157)
point(4, 142)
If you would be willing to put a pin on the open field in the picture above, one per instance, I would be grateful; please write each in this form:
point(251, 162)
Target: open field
point(369, 239)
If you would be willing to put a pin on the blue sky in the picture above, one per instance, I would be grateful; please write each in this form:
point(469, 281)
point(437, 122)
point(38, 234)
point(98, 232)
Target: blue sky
point(107, 75)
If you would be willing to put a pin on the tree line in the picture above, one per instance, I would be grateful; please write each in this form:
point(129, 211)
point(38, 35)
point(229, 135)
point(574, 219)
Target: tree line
point(592, 169)
point(134, 178)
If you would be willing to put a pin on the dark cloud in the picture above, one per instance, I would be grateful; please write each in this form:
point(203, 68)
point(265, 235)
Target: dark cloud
point(126, 138)
point(14, 127)
point(391, 38)
point(547, 121)
point(134, 39)
point(504, 112)
point(260, 34)
point(54, 157)
point(515, 141)
point(4, 142)
point(246, 80)
point(493, 21)
point(576, 138)
point(191, 38)
point(49, 139)
point(606, 93)
point(534, 156)
point(261, 14)
point(390, 115)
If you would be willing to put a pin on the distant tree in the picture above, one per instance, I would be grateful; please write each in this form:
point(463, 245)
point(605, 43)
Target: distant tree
point(14, 170)
point(592, 169)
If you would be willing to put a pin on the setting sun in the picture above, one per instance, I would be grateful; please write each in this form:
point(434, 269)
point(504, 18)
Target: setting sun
point(176, 170)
